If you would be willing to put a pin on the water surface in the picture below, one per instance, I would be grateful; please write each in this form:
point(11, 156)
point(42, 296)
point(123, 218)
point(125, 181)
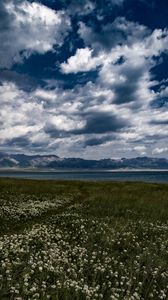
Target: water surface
point(99, 175)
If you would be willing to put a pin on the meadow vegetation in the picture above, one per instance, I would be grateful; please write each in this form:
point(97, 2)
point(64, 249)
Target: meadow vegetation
point(83, 240)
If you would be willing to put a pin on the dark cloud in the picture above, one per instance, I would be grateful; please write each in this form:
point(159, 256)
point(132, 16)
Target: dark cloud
point(96, 123)
point(54, 132)
point(97, 141)
point(149, 139)
point(159, 122)
point(23, 81)
point(125, 92)
point(102, 122)
point(5, 27)
point(22, 142)
point(4, 17)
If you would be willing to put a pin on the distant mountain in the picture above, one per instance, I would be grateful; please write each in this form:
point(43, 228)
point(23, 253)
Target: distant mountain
point(53, 162)
point(26, 161)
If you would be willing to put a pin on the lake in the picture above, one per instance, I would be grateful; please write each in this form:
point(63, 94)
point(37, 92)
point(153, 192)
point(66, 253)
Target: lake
point(98, 175)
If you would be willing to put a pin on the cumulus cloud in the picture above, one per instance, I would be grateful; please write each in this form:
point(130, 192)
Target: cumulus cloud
point(119, 32)
point(82, 61)
point(118, 113)
point(74, 121)
point(124, 52)
point(29, 27)
point(38, 117)
point(18, 114)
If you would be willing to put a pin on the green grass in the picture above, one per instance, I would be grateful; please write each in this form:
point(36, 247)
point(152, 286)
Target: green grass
point(83, 240)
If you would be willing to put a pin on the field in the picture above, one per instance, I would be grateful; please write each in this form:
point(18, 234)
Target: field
point(80, 240)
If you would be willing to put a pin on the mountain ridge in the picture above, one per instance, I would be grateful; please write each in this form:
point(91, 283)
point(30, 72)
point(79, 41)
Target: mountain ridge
point(53, 161)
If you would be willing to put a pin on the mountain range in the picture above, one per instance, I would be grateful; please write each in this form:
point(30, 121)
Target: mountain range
point(53, 162)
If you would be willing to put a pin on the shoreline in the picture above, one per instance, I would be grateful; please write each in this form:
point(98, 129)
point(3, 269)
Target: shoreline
point(77, 170)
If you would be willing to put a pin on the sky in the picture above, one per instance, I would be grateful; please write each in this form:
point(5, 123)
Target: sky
point(84, 78)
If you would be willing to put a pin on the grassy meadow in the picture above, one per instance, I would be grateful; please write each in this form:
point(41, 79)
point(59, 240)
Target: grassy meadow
point(83, 240)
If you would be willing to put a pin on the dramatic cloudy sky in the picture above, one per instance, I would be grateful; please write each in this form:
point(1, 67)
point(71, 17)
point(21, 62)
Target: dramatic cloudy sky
point(84, 78)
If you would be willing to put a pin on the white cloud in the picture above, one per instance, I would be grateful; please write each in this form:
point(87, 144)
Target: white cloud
point(19, 113)
point(160, 150)
point(45, 95)
point(64, 119)
point(141, 150)
point(57, 118)
point(82, 61)
point(32, 27)
point(65, 123)
point(130, 81)
point(138, 47)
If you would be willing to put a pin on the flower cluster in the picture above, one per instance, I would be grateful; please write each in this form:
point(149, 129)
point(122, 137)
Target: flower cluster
point(24, 207)
point(72, 256)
